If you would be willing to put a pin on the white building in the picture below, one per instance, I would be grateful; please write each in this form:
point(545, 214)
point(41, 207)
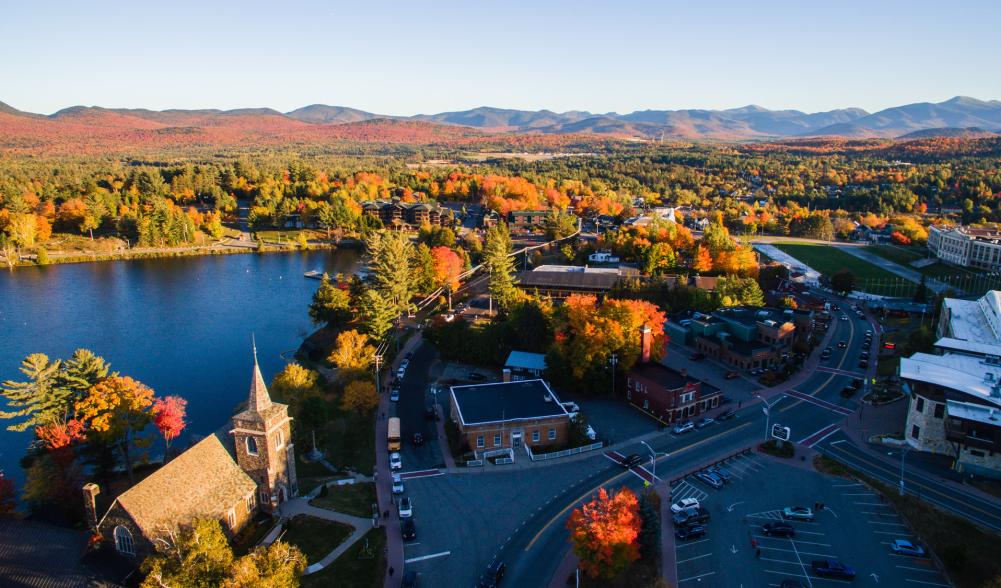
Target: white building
point(966, 246)
point(955, 393)
point(659, 213)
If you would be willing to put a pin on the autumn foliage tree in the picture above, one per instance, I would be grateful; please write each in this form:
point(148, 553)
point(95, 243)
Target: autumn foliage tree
point(447, 267)
point(115, 411)
point(604, 533)
point(360, 395)
point(703, 261)
point(352, 354)
point(168, 417)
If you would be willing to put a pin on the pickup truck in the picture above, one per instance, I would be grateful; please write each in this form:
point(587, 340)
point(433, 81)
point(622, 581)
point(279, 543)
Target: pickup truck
point(832, 568)
point(699, 516)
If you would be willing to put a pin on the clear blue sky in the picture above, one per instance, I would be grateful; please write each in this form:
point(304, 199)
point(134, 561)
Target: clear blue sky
point(417, 57)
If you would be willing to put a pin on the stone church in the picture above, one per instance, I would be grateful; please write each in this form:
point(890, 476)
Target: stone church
point(230, 475)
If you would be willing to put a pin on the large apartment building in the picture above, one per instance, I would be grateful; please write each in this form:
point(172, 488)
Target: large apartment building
point(967, 246)
point(954, 404)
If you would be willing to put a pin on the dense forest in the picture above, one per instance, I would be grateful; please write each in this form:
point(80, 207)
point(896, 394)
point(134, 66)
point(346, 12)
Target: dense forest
point(795, 188)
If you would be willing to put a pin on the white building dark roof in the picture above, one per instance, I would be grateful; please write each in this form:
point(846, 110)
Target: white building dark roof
point(506, 401)
point(972, 347)
point(526, 361)
point(974, 412)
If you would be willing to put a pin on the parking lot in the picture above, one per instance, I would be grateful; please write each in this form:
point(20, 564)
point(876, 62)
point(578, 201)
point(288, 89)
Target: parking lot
point(854, 526)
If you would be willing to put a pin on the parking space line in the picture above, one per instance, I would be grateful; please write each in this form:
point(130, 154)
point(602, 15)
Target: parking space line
point(882, 514)
point(928, 583)
point(681, 561)
point(858, 494)
point(895, 534)
point(696, 577)
point(855, 485)
point(926, 570)
point(868, 503)
point(796, 540)
point(680, 545)
point(808, 577)
point(424, 557)
point(808, 582)
point(880, 523)
point(803, 552)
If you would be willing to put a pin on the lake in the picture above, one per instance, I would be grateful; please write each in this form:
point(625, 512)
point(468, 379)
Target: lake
point(182, 325)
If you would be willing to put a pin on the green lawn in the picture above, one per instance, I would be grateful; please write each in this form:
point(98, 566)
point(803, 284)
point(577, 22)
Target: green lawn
point(363, 565)
point(348, 440)
point(899, 255)
point(311, 474)
point(315, 537)
point(352, 499)
point(868, 278)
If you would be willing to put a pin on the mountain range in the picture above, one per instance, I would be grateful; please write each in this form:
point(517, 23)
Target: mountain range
point(23, 131)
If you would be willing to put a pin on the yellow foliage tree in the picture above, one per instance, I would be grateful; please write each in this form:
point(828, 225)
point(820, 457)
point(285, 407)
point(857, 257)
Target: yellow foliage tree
point(360, 395)
point(353, 354)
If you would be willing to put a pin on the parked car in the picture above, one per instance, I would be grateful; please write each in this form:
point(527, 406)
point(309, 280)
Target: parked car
point(418, 439)
point(689, 533)
point(683, 427)
point(711, 479)
point(720, 472)
point(705, 422)
point(863, 363)
point(408, 529)
point(395, 462)
point(492, 577)
point(395, 395)
point(397, 484)
point(778, 529)
point(409, 579)
point(799, 513)
point(406, 508)
point(631, 460)
point(685, 504)
point(832, 568)
point(726, 415)
point(857, 383)
point(864, 355)
point(825, 354)
point(731, 375)
point(687, 518)
point(697, 356)
point(400, 373)
point(904, 547)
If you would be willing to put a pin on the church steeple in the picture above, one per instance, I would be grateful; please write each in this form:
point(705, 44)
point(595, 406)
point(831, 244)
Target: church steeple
point(259, 399)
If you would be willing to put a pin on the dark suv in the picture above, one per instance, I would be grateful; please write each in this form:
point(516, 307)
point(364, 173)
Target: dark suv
point(778, 529)
point(409, 529)
point(492, 577)
point(687, 518)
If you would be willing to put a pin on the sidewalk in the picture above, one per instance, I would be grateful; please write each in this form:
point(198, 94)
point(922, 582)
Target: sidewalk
point(301, 506)
point(383, 478)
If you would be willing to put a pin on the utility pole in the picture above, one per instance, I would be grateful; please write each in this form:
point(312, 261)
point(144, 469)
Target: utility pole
point(614, 360)
point(378, 364)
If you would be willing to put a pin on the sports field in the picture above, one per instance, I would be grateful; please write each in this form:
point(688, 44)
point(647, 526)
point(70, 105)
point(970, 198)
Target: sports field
point(868, 278)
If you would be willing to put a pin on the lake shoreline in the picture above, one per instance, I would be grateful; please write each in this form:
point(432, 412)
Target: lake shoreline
point(208, 250)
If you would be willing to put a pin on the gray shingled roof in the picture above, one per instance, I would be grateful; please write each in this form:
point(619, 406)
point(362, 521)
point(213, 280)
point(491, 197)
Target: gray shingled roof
point(568, 280)
point(202, 482)
point(37, 555)
point(488, 403)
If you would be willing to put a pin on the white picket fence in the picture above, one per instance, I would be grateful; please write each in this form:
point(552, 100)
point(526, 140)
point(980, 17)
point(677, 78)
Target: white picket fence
point(564, 453)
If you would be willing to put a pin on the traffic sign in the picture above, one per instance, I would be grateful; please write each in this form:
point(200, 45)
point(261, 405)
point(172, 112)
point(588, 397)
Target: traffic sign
point(781, 433)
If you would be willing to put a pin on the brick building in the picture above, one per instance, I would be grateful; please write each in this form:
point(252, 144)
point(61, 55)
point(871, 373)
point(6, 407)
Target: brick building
point(230, 475)
point(509, 414)
point(416, 214)
point(667, 395)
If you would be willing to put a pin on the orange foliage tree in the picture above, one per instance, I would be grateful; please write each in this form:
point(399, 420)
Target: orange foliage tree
point(604, 533)
point(703, 261)
point(116, 410)
point(447, 267)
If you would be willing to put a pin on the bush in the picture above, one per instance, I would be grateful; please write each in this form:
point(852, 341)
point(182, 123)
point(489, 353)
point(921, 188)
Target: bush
point(777, 448)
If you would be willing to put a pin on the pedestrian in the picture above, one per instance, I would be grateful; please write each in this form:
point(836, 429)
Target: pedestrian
point(757, 555)
point(385, 514)
point(391, 571)
point(816, 506)
point(739, 402)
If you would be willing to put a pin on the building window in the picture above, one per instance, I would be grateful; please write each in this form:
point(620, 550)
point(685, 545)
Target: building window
point(552, 434)
point(479, 441)
point(265, 497)
point(497, 440)
point(536, 436)
point(231, 519)
point(251, 502)
point(915, 431)
point(251, 446)
point(919, 405)
point(123, 541)
point(939, 411)
point(279, 440)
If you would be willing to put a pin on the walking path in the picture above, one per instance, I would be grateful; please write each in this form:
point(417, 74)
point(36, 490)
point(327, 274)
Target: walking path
point(301, 506)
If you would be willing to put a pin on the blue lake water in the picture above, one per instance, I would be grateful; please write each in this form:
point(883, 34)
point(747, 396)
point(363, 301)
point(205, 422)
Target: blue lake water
point(182, 326)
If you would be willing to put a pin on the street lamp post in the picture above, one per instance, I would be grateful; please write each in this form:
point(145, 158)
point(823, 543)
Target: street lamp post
point(903, 454)
point(653, 458)
point(614, 360)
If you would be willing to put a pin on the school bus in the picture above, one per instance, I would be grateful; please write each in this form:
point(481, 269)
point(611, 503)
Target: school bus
point(393, 435)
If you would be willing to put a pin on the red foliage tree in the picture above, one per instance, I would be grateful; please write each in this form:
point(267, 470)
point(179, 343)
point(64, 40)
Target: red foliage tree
point(168, 416)
point(900, 238)
point(604, 533)
point(59, 435)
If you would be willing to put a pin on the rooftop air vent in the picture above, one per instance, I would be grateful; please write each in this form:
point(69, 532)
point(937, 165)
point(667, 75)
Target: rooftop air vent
point(547, 397)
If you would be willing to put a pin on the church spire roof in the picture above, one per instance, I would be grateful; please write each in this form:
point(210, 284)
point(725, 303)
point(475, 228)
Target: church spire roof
point(259, 399)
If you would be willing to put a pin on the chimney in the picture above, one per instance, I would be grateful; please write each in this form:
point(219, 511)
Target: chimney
point(506, 375)
point(646, 341)
point(90, 492)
